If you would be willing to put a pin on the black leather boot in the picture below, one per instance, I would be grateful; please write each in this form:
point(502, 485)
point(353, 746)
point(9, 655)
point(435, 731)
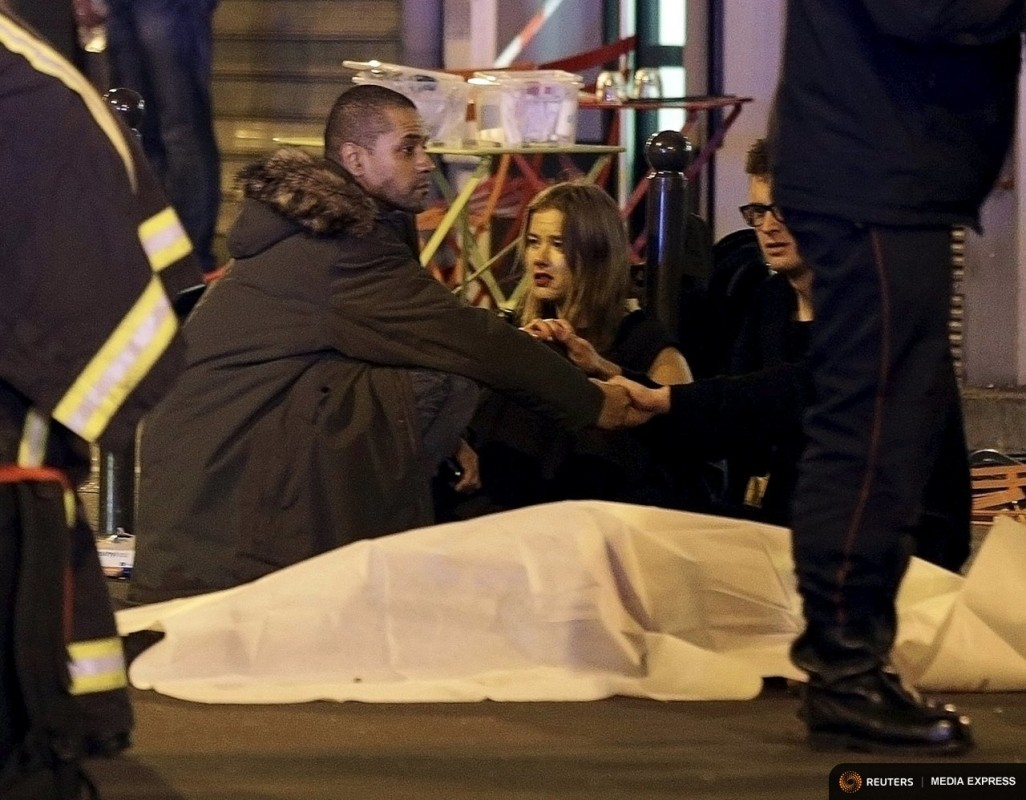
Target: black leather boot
point(873, 712)
point(854, 701)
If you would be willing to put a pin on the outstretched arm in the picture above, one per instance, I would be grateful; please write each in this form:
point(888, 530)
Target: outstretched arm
point(669, 367)
point(725, 415)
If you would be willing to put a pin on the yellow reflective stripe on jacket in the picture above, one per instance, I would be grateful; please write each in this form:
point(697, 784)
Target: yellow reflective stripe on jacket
point(164, 239)
point(46, 60)
point(119, 365)
point(34, 433)
point(70, 510)
point(97, 665)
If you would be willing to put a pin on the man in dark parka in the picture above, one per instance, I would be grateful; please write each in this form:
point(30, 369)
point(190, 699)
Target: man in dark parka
point(294, 427)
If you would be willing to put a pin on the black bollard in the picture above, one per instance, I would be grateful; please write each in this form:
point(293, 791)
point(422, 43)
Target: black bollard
point(669, 153)
point(116, 502)
point(116, 506)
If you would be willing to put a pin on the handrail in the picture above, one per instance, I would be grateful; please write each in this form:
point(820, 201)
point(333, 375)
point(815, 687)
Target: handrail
point(574, 63)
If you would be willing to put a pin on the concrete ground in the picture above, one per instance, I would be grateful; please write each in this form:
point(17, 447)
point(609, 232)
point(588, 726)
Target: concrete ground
point(618, 748)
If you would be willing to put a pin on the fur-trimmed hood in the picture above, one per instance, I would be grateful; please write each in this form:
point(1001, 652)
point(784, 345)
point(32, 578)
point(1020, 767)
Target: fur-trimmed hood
point(308, 191)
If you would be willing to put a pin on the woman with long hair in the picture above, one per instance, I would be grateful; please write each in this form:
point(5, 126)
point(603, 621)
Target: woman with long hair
point(576, 287)
point(575, 294)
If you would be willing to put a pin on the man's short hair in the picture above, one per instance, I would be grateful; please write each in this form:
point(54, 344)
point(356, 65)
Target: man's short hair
point(360, 116)
point(757, 162)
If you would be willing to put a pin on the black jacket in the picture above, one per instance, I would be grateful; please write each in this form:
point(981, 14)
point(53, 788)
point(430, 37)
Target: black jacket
point(770, 333)
point(292, 429)
point(919, 133)
point(92, 257)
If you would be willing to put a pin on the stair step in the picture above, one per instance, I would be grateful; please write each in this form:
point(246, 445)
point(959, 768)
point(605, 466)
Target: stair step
point(307, 98)
point(229, 169)
point(325, 19)
point(300, 57)
point(247, 137)
point(278, 69)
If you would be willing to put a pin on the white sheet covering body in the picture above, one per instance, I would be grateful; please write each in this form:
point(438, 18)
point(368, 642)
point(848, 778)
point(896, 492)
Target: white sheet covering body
point(567, 601)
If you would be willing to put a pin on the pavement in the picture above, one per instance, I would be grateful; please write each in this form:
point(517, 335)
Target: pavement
point(616, 748)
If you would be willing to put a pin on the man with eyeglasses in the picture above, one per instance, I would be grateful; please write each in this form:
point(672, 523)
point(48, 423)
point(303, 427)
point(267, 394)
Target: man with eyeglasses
point(752, 416)
point(776, 329)
point(774, 332)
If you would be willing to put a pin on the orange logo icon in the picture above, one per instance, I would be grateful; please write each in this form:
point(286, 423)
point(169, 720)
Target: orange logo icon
point(850, 781)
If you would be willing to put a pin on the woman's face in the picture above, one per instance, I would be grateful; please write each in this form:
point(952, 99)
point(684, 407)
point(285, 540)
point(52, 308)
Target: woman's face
point(543, 256)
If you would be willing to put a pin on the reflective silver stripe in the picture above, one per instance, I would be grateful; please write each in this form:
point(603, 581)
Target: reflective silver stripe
point(97, 665)
point(116, 369)
point(164, 239)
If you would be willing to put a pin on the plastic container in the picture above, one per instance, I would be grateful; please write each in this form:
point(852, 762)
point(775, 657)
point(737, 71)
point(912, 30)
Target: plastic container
point(441, 98)
point(518, 107)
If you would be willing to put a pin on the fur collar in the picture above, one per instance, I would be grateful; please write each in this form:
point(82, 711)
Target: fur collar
point(314, 192)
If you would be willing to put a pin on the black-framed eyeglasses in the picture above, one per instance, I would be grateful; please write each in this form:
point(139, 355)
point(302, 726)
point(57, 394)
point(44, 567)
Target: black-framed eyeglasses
point(754, 213)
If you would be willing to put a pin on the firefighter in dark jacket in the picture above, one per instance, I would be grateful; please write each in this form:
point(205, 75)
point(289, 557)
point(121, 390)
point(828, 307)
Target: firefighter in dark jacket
point(891, 123)
point(299, 424)
point(90, 259)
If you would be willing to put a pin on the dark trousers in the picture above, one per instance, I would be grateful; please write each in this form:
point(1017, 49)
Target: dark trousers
point(886, 401)
point(163, 50)
point(53, 597)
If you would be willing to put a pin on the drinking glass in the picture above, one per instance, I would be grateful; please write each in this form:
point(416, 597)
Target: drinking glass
point(610, 87)
point(647, 84)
